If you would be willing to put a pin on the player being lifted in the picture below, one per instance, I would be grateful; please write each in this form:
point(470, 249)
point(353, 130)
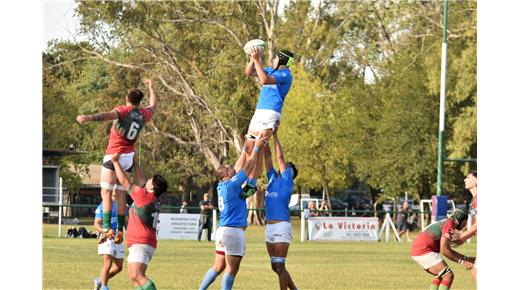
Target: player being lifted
point(129, 120)
point(279, 231)
point(435, 239)
point(276, 82)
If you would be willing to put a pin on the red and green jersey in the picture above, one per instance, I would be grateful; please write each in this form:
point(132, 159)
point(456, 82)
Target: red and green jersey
point(142, 218)
point(126, 128)
point(429, 240)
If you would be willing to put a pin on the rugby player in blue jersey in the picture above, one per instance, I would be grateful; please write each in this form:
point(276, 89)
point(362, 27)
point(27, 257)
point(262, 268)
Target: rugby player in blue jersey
point(230, 239)
point(279, 231)
point(276, 82)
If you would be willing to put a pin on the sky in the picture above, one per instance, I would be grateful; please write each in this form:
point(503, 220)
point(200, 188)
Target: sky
point(58, 21)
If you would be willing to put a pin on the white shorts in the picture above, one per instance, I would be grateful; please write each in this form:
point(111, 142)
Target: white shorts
point(230, 241)
point(428, 260)
point(111, 248)
point(126, 160)
point(281, 232)
point(264, 119)
point(140, 253)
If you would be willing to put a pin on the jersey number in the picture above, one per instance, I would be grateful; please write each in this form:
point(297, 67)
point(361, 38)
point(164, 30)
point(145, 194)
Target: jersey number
point(220, 203)
point(132, 131)
point(155, 219)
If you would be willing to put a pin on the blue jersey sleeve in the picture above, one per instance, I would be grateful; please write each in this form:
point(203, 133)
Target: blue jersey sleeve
point(99, 211)
point(238, 179)
point(287, 174)
point(270, 173)
point(282, 77)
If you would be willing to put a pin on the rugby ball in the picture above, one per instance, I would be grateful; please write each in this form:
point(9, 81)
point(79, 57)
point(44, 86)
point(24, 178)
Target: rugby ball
point(258, 43)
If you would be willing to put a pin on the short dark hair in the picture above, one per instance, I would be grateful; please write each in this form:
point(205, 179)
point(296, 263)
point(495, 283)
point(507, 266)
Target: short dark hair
point(134, 96)
point(459, 216)
point(295, 171)
point(283, 56)
point(474, 173)
point(221, 172)
point(160, 185)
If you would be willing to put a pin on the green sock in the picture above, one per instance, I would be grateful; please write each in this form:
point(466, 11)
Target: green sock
point(149, 285)
point(107, 215)
point(444, 287)
point(138, 288)
point(120, 222)
point(434, 287)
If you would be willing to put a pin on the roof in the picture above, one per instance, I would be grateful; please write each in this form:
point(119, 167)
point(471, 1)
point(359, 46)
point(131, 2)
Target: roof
point(48, 152)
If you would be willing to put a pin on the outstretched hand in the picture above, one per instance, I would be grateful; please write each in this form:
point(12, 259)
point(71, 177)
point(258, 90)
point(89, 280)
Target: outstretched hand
point(147, 82)
point(82, 119)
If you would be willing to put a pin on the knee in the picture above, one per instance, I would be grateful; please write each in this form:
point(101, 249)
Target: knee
point(134, 276)
point(448, 277)
point(278, 268)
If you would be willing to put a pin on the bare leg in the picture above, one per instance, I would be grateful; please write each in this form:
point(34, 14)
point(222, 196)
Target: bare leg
point(136, 272)
point(107, 264)
point(284, 278)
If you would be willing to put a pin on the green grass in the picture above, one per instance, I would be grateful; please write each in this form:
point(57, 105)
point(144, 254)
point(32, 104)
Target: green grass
point(72, 263)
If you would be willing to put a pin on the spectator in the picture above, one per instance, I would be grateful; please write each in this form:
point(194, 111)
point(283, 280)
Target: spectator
point(324, 208)
point(403, 226)
point(311, 210)
point(206, 220)
point(184, 208)
point(72, 232)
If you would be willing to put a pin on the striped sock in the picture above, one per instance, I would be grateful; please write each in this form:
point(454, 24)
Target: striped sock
point(435, 284)
point(107, 216)
point(120, 222)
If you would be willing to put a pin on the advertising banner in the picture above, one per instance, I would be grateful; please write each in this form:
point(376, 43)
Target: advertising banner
point(343, 228)
point(174, 226)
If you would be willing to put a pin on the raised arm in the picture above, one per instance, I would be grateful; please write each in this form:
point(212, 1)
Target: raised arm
point(153, 97)
point(250, 69)
point(121, 176)
point(251, 161)
point(279, 153)
point(262, 77)
point(140, 178)
point(268, 159)
point(241, 160)
point(103, 116)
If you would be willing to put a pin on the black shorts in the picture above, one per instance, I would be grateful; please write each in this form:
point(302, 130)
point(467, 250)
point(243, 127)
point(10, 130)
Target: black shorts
point(110, 165)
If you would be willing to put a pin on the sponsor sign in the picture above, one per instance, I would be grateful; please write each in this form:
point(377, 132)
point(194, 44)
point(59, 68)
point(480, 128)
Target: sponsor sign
point(343, 228)
point(174, 226)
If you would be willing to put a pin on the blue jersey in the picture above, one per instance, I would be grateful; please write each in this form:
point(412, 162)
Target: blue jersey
point(278, 195)
point(113, 219)
point(233, 209)
point(272, 95)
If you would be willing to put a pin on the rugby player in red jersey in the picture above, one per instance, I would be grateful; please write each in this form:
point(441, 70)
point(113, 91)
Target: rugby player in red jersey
point(436, 239)
point(141, 233)
point(129, 120)
point(470, 183)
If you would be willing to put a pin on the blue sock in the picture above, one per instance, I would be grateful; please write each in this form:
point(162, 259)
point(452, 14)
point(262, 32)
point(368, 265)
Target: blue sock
point(251, 182)
point(209, 278)
point(227, 281)
point(104, 288)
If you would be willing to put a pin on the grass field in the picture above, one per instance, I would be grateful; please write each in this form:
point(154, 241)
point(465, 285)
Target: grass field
point(72, 263)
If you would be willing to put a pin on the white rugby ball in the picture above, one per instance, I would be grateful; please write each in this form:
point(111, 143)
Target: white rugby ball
point(258, 43)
